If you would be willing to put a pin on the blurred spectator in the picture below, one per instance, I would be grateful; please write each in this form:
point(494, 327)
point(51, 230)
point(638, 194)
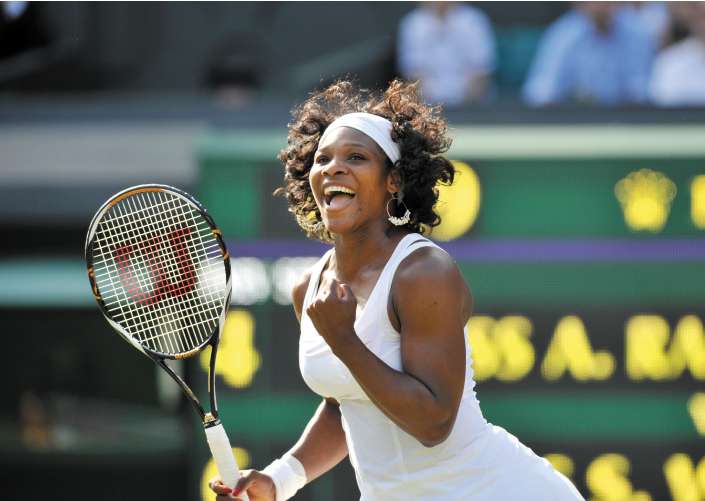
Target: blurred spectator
point(654, 18)
point(450, 48)
point(591, 54)
point(678, 78)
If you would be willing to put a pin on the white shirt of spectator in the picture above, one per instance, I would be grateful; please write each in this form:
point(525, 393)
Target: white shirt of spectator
point(678, 77)
point(445, 54)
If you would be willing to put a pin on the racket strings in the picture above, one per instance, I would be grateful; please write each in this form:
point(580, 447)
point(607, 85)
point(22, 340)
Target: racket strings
point(166, 291)
point(173, 266)
point(125, 240)
point(171, 315)
point(171, 219)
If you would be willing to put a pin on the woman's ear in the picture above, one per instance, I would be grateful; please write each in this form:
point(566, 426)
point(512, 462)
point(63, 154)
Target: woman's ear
point(394, 182)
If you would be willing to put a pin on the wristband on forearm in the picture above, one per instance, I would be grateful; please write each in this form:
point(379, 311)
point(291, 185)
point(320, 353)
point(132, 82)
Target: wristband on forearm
point(288, 475)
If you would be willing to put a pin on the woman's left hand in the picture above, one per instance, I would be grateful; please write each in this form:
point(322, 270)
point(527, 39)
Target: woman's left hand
point(333, 313)
point(257, 485)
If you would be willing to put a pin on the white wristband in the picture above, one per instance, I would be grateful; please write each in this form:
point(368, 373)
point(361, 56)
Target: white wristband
point(288, 475)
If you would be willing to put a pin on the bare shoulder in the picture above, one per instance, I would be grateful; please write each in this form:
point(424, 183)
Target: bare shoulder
point(432, 270)
point(427, 263)
point(428, 266)
point(299, 291)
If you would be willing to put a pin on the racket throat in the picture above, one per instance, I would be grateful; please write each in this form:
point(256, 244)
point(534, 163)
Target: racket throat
point(210, 420)
point(184, 387)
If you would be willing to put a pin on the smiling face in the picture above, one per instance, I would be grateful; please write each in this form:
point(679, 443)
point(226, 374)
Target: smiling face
point(349, 181)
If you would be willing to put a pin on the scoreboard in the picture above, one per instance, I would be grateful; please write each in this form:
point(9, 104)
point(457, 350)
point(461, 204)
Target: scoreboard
point(585, 251)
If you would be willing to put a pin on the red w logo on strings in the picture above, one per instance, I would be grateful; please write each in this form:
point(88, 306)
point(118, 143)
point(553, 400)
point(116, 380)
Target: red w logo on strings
point(171, 267)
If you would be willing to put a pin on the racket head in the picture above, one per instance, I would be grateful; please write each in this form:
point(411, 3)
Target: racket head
point(159, 270)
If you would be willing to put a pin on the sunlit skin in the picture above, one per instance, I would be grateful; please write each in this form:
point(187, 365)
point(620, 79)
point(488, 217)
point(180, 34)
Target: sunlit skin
point(423, 399)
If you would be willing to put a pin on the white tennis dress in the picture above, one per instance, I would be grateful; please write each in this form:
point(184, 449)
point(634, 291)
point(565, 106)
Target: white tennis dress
point(478, 461)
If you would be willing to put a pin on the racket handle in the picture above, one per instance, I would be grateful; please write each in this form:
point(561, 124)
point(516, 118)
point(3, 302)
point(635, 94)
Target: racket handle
point(223, 455)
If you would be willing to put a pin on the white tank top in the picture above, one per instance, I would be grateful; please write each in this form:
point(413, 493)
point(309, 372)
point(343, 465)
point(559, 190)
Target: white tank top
point(472, 463)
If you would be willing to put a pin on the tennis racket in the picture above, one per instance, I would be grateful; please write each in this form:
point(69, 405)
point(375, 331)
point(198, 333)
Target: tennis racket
point(160, 273)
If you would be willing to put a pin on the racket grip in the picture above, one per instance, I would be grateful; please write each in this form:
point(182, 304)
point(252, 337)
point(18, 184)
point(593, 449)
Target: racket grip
point(223, 455)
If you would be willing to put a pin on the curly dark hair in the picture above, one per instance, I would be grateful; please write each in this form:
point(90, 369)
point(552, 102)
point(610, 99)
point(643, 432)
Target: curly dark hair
point(418, 129)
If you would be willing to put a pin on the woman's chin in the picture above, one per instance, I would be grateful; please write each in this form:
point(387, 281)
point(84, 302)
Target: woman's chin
point(339, 227)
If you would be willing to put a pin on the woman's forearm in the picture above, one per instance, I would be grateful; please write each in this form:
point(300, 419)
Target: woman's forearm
point(322, 444)
point(406, 400)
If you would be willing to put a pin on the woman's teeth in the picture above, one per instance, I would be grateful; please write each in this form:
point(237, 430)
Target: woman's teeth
point(332, 192)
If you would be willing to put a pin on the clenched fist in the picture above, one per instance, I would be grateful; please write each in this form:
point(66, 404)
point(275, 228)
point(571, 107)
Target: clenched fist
point(333, 313)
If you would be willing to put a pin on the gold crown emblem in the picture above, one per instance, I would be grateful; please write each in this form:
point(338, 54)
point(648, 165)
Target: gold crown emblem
point(645, 197)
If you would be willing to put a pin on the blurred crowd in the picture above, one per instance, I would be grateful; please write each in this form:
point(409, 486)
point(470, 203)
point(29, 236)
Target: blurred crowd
point(602, 53)
point(599, 53)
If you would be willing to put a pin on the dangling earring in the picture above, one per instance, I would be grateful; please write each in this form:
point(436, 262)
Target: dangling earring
point(398, 221)
point(308, 225)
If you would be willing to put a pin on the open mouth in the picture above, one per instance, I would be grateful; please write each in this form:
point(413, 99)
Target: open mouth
point(337, 197)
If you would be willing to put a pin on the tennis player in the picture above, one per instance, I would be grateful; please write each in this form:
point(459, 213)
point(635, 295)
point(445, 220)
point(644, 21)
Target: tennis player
point(383, 317)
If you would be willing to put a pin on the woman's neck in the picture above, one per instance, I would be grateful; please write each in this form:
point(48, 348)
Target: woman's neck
point(364, 249)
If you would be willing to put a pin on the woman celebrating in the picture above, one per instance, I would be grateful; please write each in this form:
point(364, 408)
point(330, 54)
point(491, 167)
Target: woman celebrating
point(383, 316)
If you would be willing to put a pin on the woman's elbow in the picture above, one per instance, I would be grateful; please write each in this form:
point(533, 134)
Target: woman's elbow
point(436, 434)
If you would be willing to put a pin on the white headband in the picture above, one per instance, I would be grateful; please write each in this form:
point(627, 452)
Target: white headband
point(375, 127)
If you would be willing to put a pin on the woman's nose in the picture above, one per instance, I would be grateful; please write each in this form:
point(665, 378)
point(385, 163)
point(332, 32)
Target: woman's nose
point(334, 166)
